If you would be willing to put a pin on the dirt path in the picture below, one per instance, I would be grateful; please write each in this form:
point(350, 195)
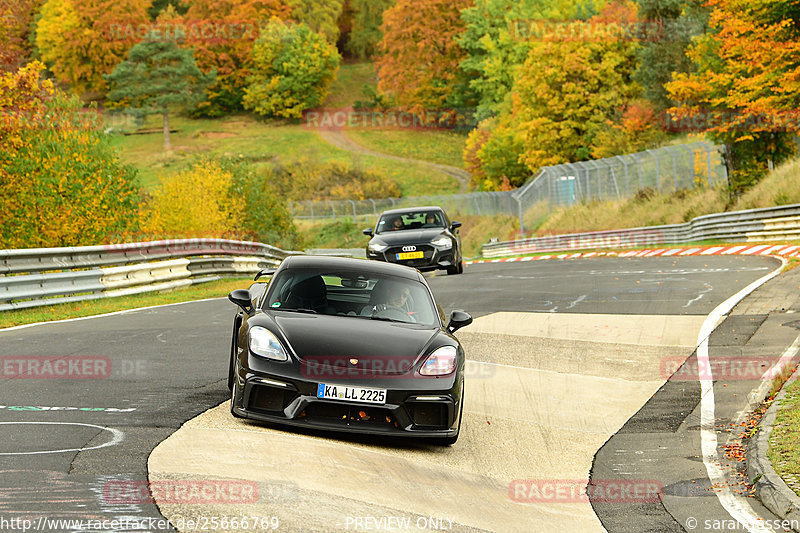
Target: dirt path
point(339, 139)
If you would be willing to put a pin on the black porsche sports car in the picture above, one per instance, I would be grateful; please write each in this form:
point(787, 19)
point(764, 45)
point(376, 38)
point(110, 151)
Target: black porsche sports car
point(420, 237)
point(348, 345)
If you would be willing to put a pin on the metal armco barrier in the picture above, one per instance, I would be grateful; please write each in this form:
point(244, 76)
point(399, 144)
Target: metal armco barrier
point(752, 225)
point(47, 276)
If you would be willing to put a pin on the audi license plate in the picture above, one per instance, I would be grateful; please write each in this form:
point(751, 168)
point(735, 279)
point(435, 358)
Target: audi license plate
point(410, 255)
point(326, 391)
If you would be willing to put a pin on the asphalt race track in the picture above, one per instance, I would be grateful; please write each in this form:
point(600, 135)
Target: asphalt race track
point(567, 381)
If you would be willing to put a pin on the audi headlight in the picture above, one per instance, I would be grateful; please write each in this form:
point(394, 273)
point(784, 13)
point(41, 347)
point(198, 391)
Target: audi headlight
point(443, 242)
point(440, 362)
point(265, 344)
point(377, 248)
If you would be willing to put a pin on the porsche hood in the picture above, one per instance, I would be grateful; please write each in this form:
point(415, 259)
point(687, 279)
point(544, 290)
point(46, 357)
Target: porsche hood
point(383, 347)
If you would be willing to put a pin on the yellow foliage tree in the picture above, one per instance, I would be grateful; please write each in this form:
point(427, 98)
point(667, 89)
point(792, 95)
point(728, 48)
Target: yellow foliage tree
point(193, 203)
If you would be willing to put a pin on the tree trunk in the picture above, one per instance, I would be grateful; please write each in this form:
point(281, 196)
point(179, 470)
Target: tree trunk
point(167, 146)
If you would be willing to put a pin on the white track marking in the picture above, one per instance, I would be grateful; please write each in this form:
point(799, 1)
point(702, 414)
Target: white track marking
point(713, 250)
point(118, 437)
point(755, 249)
point(114, 313)
point(739, 508)
point(733, 250)
point(708, 289)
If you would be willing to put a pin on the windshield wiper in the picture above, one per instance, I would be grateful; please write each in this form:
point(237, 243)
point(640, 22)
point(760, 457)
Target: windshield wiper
point(300, 310)
point(385, 319)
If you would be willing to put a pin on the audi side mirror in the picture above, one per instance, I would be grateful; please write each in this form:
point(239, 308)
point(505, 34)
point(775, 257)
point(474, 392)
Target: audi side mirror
point(367, 231)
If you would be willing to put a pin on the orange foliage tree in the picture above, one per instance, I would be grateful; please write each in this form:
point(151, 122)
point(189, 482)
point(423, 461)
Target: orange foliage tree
point(746, 90)
point(419, 56)
point(82, 40)
point(222, 33)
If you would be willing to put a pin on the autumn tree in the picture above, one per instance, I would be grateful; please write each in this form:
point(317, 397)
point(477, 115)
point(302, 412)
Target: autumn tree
point(419, 53)
point(667, 29)
point(497, 38)
point(365, 33)
point(293, 68)
point(575, 83)
point(158, 76)
point(567, 91)
point(222, 33)
point(82, 40)
point(322, 16)
point(15, 32)
point(61, 184)
point(746, 88)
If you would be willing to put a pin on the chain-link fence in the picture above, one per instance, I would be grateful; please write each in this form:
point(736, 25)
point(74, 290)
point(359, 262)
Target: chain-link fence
point(664, 169)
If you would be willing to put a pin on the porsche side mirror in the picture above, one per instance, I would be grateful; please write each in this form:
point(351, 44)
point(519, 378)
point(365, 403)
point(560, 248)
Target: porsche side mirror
point(458, 319)
point(367, 231)
point(455, 225)
point(241, 297)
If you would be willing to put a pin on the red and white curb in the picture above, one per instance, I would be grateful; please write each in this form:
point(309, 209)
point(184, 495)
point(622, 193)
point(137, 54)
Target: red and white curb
point(760, 249)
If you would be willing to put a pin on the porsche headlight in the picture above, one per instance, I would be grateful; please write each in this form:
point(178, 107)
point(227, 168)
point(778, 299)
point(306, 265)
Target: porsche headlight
point(440, 362)
point(443, 242)
point(265, 344)
point(377, 248)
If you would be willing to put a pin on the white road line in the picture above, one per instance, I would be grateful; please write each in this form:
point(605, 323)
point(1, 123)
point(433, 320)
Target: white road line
point(114, 313)
point(713, 250)
point(739, 508)
point(709, 288)
point(117, 437)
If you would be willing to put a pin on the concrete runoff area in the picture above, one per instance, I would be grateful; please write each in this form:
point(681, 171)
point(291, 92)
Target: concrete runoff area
point(539, 419)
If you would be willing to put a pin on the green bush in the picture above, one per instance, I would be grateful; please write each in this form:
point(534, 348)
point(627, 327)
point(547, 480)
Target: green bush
point(61, 184)
point(266, 216)
point(293, 67)
point(309, 180)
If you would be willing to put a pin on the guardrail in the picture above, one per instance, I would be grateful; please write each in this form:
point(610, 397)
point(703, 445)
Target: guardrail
point(47, 276)
point(752, 225)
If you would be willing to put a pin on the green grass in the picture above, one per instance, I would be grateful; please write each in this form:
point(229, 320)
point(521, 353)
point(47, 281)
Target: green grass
point(262, 142)
point(784, 442)
point(349, 85)
point(214, 289)
point(443, 147)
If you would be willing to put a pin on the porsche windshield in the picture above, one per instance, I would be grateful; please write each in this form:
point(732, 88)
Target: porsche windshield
point(363, 295)
point(422, 219)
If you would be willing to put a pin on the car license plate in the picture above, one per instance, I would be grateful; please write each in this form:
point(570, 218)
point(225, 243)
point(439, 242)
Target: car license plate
point(410, 255)
point(326, 391)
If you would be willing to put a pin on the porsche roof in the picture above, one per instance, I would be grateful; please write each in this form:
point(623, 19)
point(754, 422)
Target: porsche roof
point(347, 263)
